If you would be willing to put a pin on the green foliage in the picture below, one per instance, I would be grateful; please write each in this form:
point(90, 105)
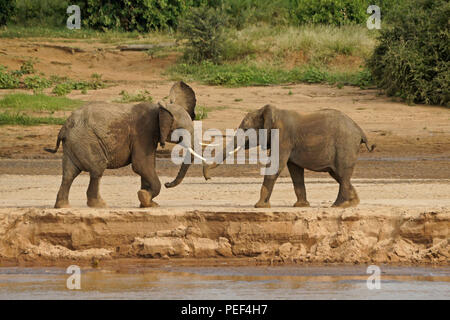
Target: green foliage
point(139, 15)
point(37, 102)
point(27, 67)
point(8, 80)
point(65, 86)
point(337, 12)
point(201, 112)
point(412, 58)
point(27, 110)
point(36, 83)
point(41, 12)
point(7, 9)
point(203, 28)
point(8, 118)
point(147, 15)
point(126, 97)
point(242, 13)
point(238, 75)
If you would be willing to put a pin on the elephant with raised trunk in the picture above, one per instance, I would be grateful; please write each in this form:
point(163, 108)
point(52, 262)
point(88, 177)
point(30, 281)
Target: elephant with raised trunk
point(323, 141)
point(103, 136)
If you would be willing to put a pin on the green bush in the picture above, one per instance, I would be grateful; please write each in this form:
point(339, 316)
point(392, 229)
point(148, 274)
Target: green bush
point(126, 97)
point(203, 29)
point(36, 83)
point(7, 8)
point(412, 58)
point(8, 80)
point(337, 12)
point(239, 75)
point(41, 12)
point(138, 15)
point(242, 13)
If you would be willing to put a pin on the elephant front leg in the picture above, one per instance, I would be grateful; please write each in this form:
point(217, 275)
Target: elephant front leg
point(266, 191)
point(269, 182)
point(150, 185)
point(298, 179)
point(149, 190)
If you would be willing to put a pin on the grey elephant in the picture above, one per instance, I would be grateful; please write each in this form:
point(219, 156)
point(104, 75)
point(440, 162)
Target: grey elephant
point(323, 141)
point(103, 136)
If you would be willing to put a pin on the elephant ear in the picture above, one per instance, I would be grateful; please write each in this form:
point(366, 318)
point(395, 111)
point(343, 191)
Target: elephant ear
point(268, 121)
point(183, 95)
point(165, 124)
point(267, 115)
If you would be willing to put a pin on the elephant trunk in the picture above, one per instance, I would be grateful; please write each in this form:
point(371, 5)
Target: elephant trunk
point(185, 166)
point(216, 163)
point(182, 172)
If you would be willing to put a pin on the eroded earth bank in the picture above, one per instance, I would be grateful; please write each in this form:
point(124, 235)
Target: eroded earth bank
point(398, 221)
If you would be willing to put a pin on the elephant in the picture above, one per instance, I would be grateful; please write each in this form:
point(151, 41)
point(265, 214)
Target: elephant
point(322, 141)
point(103, 136)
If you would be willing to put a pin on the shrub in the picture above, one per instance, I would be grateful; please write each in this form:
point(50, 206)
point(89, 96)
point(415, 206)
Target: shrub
point(201, 113)
point(412, 57)
point(242, 13)
point(65, 86)
point(337, 12)
point(42, 12)
point(238, 75)
point(203, 28)
point(8, 80)
point(36, 83)
point(138, 15)
point(7, 8)
point(130, 97)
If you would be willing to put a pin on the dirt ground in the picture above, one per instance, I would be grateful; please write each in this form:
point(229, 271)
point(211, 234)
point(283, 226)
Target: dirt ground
point(400, 131)
point(406, 177)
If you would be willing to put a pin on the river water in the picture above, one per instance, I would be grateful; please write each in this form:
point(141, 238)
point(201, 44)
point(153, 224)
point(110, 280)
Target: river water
point(260, 282)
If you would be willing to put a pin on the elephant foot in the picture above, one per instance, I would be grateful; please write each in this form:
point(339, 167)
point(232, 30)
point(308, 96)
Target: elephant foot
point(346, 204)
point(96, 203)
point(262, 204)
point(152, 204)
point(62, 204)
point(300, 204)
point(146, 199)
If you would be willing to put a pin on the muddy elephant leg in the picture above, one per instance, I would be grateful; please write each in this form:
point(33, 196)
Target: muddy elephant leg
point(269, 182)
point(70, 172)
point(150, 184)
point(94, 200)
point(347, 196)
point(298, 179)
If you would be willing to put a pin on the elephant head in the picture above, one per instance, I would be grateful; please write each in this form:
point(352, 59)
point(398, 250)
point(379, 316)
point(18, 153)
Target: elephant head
point(179, 113)
point(263, 118)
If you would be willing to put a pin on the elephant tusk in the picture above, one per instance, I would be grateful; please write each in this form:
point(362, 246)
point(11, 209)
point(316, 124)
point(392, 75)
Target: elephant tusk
point(235, 150)
point(207, 145)
point(196, 154)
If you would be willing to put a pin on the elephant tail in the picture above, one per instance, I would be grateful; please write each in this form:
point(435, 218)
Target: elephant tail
point(371, 148)
point(58, 141)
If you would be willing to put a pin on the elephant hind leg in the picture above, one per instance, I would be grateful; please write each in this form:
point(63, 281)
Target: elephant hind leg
point(94, 200)
point(70, 172)
point(347, 196)
point(298, 179)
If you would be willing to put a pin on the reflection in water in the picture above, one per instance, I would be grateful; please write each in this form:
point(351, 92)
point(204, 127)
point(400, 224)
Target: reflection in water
point(284, 282)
